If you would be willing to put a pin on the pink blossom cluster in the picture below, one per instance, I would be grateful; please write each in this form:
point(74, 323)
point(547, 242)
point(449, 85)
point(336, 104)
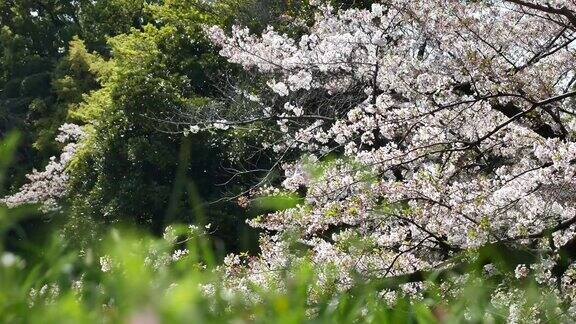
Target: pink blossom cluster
point(47, 187)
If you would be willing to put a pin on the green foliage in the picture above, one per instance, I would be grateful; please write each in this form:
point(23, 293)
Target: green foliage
point(107, 18)
point(7, 151)
point(41, 73)
point(118, 67)
point(127, 171)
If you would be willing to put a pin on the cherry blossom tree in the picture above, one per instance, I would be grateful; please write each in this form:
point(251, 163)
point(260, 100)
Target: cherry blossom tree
point(47, 187)
point(454, 123)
